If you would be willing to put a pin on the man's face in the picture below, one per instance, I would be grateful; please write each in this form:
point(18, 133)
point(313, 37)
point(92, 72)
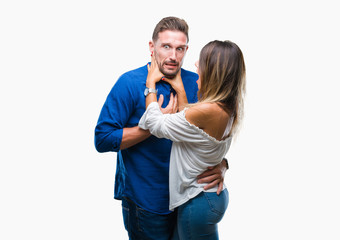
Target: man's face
point(169, 51)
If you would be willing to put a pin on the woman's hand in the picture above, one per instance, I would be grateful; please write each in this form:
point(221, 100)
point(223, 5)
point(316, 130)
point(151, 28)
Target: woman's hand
point(154, 74)
point(214, 176)
point(176, 82)
point(172, 105)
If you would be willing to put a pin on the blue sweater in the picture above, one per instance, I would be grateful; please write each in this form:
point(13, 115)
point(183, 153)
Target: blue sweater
point(142, 172)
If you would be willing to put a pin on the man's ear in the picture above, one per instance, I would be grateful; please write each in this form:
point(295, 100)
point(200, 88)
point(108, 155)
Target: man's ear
point(151, 46)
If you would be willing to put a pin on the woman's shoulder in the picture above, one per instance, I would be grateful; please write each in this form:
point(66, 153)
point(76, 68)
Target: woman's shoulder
point(205, 108)
point(202, 114)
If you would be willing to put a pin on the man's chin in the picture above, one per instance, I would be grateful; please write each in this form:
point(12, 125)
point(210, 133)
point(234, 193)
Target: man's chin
point(170, 75)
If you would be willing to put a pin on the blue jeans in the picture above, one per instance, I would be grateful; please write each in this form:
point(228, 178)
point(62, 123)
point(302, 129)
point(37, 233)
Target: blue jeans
point(141, 224)
point(198, 218)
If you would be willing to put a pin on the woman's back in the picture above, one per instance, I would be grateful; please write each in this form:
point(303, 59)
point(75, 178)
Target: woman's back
point(210, 117)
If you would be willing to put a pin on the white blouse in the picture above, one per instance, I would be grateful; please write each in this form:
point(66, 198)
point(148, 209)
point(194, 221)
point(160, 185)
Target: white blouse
point(193, 150)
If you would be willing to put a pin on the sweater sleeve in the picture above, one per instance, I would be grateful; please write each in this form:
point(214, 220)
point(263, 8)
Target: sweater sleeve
point(171, 126)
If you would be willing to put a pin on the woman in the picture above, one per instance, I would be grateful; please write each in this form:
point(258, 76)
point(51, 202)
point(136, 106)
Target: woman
point(201, 135)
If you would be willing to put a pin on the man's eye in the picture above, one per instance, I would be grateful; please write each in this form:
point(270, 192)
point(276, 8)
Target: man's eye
point(180, 49)
point(166, 46)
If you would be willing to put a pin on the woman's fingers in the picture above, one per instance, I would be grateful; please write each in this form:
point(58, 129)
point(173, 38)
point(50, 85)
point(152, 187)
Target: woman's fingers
point(220, 188)
point(160, 100)
point(175, 107)
point(212, 184)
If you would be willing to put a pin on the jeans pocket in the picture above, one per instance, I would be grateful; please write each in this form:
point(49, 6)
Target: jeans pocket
point(218, 203)
point(144, 220)
point(126, 214)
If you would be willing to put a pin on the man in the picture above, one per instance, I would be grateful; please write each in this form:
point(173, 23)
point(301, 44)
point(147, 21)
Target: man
point(142, 173)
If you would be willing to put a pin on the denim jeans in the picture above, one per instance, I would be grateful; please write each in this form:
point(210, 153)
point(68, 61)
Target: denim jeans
point(141, 224)
point(198, 218)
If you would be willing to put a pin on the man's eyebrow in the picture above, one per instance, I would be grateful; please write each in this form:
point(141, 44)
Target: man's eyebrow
point(165, 43)
point(183, 46)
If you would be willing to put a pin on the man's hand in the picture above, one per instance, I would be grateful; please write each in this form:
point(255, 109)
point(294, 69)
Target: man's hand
point(214, 176)
point(172, 105)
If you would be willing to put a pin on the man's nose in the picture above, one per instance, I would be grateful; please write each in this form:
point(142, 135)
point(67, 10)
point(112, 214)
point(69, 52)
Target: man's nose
point(173, 55)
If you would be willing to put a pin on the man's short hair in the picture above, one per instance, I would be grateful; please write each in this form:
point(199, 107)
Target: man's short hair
point(173, 24)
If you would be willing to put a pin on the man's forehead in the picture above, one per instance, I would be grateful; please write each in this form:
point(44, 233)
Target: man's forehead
point(172, 37)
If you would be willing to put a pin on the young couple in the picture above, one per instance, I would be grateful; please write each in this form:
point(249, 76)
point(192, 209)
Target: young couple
point(170, 164)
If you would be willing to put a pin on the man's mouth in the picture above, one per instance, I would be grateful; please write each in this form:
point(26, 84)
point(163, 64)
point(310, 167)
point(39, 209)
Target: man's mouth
point(170, 65)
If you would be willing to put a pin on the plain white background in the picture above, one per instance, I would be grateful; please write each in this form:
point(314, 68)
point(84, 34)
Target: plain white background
point(59, 60)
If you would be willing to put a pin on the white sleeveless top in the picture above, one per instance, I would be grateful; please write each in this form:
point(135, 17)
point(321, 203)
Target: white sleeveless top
point(193, 150)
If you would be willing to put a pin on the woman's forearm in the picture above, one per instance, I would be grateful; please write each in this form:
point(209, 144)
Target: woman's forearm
point(151, 97)
point(182, 99)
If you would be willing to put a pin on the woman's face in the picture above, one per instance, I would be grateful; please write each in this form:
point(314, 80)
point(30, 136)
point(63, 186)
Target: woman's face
point(199, 77)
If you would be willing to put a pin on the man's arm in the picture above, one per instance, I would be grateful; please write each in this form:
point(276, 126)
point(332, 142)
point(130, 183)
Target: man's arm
point(132, 136)
point(214, 176)
point(110, 133)
point(116, 111)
